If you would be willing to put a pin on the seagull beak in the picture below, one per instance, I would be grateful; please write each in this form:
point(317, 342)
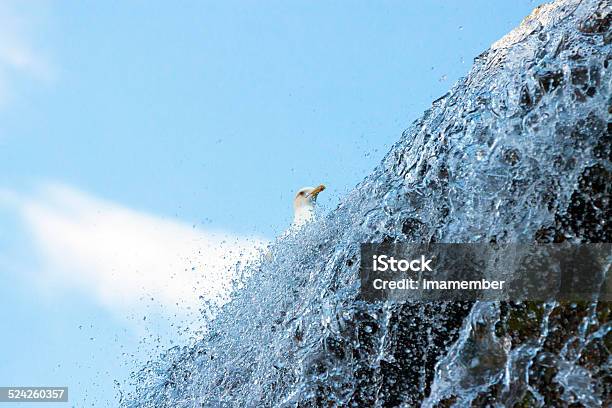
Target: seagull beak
point(314, 193)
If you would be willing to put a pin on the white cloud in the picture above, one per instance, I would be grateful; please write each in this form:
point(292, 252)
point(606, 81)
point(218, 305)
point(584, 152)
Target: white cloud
point(18, 55)
point(122, 257)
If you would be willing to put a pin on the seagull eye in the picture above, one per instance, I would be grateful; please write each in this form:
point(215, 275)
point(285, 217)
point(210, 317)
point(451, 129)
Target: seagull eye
point(302, 193)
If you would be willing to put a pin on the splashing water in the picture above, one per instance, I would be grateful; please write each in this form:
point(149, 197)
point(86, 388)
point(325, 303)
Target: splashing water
point(518, 151)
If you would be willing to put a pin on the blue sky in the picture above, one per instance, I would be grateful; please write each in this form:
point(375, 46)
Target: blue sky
point(137, 138)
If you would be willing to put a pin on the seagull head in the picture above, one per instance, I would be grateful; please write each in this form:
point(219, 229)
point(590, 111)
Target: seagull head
point(304, 202)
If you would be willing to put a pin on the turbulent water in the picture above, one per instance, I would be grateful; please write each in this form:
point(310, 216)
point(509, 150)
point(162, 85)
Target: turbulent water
point(518, 151)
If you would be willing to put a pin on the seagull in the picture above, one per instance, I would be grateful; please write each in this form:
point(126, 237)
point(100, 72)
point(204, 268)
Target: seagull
point(303, 211)
point(303, 204)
